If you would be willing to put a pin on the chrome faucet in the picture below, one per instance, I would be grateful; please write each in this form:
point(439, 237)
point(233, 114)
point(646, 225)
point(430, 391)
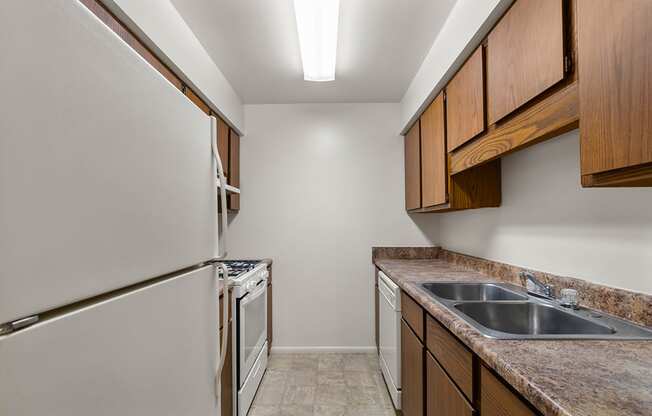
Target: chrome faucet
point(535, 287)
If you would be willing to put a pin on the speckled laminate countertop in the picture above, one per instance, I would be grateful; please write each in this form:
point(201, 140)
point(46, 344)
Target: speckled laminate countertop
point(559, 378)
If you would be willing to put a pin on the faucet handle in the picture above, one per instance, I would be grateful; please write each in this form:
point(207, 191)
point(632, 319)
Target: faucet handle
point(569, 299)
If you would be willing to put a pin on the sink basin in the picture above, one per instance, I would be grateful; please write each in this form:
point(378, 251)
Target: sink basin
point(460, 291)
point(504, 311)
point(530, 318)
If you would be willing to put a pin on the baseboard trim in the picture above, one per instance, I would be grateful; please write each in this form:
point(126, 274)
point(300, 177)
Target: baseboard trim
point(305, 350)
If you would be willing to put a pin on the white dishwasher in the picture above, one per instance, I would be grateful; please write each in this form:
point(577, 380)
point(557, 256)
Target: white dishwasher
point(390, 335)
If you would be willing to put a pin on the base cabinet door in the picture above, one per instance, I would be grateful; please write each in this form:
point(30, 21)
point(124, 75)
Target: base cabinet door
point(227, 377)
point(496, 399)
point(443, 398)
point(412, 376)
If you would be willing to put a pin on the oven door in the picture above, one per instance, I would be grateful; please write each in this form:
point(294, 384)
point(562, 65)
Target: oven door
point(252, 328)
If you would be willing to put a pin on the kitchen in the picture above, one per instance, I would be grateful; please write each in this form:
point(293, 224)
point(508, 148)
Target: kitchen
point(425, 208)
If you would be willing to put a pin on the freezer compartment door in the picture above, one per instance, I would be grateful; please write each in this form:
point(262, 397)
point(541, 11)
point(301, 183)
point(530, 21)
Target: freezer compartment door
point(104, 165)
point(149, 352)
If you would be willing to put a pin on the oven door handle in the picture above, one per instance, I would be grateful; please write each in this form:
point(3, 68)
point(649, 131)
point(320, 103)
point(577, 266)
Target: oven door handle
point(251, 296)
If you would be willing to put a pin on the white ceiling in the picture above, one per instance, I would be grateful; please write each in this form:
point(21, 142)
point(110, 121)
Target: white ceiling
point(381, 45)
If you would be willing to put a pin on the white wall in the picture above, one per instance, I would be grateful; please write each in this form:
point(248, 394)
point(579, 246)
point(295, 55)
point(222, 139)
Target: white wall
point(321, 184)
point(548, 222)
point(466, 26)
point(166, 33)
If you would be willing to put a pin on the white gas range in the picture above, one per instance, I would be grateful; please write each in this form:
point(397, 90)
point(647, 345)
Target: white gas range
point(248, 278)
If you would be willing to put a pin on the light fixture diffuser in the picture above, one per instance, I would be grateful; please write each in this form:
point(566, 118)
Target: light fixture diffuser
point(317, 22)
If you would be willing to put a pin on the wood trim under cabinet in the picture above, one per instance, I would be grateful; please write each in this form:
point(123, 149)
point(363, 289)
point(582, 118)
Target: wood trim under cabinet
point(637, 176)
point(556, 114)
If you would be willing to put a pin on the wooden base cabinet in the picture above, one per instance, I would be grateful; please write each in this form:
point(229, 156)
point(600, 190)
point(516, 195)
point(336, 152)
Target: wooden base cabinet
point(443, 398)
point(412, 374)
point(227, 376)
point(496, 399)
point(440, 376)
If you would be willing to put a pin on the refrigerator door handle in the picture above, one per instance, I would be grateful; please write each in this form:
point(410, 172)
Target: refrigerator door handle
point(220, 176)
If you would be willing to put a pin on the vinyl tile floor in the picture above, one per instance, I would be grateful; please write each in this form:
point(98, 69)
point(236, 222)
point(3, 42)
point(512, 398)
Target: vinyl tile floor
point(326, 384)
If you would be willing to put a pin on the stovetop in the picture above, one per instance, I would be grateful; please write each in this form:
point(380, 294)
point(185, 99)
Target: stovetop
point(238, 267)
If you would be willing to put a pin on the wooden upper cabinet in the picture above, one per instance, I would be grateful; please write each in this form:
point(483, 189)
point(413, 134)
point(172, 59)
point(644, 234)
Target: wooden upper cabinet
point(525, 55)
point(234, 169)
point(615, 71)
point(434, 174)
point(223, 132)
point(197, 101)
point(465, 102)
point(102, 13)
point(413, 168)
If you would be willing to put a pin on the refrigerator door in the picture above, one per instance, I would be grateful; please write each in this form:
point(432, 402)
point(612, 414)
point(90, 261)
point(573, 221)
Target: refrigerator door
point(104, 165)
point(148, 352)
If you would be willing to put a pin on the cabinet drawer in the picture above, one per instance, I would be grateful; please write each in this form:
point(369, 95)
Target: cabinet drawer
point(498, 400)
point(453, 356)
point(413, 313)
point(443, 397)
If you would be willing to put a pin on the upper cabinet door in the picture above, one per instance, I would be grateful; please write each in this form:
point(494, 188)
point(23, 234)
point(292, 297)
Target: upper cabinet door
point(465, 102)
point(434, 174)
point(223, 144)
point(234, 170)
point(525, 55)
point(413, 168)
point(615, 68)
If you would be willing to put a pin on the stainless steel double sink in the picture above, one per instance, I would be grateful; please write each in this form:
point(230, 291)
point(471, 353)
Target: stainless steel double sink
point(506, 311)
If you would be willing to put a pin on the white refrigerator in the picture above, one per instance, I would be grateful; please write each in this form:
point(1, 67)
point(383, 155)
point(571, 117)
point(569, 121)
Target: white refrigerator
point(108, 226)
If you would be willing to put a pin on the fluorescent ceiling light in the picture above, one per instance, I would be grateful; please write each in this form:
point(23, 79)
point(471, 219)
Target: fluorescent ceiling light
point(317, 25)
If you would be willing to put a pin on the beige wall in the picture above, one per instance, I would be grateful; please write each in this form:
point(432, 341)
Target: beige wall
point(321, 184)
point(549, 222)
